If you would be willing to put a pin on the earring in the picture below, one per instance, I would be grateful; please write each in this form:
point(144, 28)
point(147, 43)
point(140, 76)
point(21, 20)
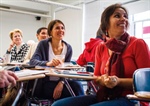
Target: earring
point(106, 33)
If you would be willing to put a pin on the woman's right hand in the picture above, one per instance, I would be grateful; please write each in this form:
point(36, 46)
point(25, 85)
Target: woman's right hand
point(11, 46)
point(101, 79)
point(53, 63)
point(108, 81)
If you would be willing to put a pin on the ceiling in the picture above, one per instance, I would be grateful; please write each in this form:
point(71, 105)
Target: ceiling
point(30, 5)
point(40, 7)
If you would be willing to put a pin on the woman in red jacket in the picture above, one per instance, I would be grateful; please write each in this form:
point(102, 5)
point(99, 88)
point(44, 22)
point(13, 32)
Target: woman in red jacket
point(88, 54)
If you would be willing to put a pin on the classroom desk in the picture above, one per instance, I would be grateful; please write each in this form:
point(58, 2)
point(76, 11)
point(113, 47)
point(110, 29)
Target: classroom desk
point(68, 76)
point(13, 64)
point(21, 79)
point(49, 72)
point(31, 77)
point(2, 64)
point(140, 96)
point(28, 74)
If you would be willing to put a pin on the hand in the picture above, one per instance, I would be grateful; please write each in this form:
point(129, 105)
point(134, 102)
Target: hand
point(100, 79)
point(111, 81)
point(7, 77)
point(58, 90)
point(108, 81)
point(54, 62)
point(11, 46)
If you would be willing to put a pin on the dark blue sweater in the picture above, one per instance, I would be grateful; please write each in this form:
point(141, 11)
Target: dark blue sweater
point(41, 55)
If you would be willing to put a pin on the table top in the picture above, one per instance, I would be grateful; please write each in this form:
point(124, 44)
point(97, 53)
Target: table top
point(143, 94)
point(34, 74)
point(31, 77)
point(48, 72)
point(3, 64)
point(79, 77)
point(30, 74)
point(27, 72)
point(69, 67)
point(13, 64)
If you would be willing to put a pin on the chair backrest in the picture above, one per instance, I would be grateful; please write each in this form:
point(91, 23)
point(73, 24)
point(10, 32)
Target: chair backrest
point(141, 79)
point(89, 67)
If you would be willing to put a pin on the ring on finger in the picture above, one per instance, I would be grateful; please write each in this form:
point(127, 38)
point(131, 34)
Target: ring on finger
point(113, 79)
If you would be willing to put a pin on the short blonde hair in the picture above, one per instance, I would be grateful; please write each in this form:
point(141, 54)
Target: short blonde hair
point(13, 31)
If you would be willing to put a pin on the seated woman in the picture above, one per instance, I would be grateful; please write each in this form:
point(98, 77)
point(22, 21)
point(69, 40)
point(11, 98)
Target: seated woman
point(116, 59)
point(15, 53)
point(17, 49)
point(45, 55)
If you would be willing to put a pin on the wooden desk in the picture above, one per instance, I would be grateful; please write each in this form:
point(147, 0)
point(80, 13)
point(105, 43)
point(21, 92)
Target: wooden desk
point(2, 64)
point(30, 74)
point(21, 79)
point(30, 77)
point(143, 95)
point(13, 64)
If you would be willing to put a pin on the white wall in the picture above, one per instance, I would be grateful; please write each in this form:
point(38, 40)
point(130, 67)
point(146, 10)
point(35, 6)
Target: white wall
point(137, 7)
point(73, 23)
point(92, 19)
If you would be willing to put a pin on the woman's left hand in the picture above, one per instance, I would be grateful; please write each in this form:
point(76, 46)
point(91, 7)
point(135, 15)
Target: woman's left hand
point(111, 81)
point(58, 90)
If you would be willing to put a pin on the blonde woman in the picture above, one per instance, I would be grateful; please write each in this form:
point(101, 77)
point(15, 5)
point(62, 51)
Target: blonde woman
point(17, 49)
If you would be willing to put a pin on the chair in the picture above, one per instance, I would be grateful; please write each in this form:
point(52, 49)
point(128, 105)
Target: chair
point(91, 88)
point(141, 85)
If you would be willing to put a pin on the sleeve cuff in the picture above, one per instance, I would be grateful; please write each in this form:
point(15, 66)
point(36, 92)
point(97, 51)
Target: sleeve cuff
point(61, 79)
point(7, 52)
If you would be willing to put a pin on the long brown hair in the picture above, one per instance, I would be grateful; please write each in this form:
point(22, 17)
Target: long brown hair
point(106, 16)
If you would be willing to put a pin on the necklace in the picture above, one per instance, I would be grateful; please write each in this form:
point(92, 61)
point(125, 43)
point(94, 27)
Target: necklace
point(57, 50)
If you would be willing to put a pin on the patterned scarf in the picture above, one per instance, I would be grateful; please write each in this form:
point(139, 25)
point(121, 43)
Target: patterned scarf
point(115, 67)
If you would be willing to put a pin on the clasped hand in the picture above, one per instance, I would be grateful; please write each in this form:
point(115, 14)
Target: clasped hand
point(108, 81)
point(54, 62)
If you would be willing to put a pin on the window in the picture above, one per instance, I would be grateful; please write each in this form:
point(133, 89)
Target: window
point(142, 26)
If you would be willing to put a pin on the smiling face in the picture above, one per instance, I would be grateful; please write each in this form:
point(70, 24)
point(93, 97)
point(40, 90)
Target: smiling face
point(58, 31)
point(42, 35)
point(17, 38)
point(118, 23)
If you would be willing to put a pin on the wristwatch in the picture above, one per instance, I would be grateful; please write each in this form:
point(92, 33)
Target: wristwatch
point(62, 82)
